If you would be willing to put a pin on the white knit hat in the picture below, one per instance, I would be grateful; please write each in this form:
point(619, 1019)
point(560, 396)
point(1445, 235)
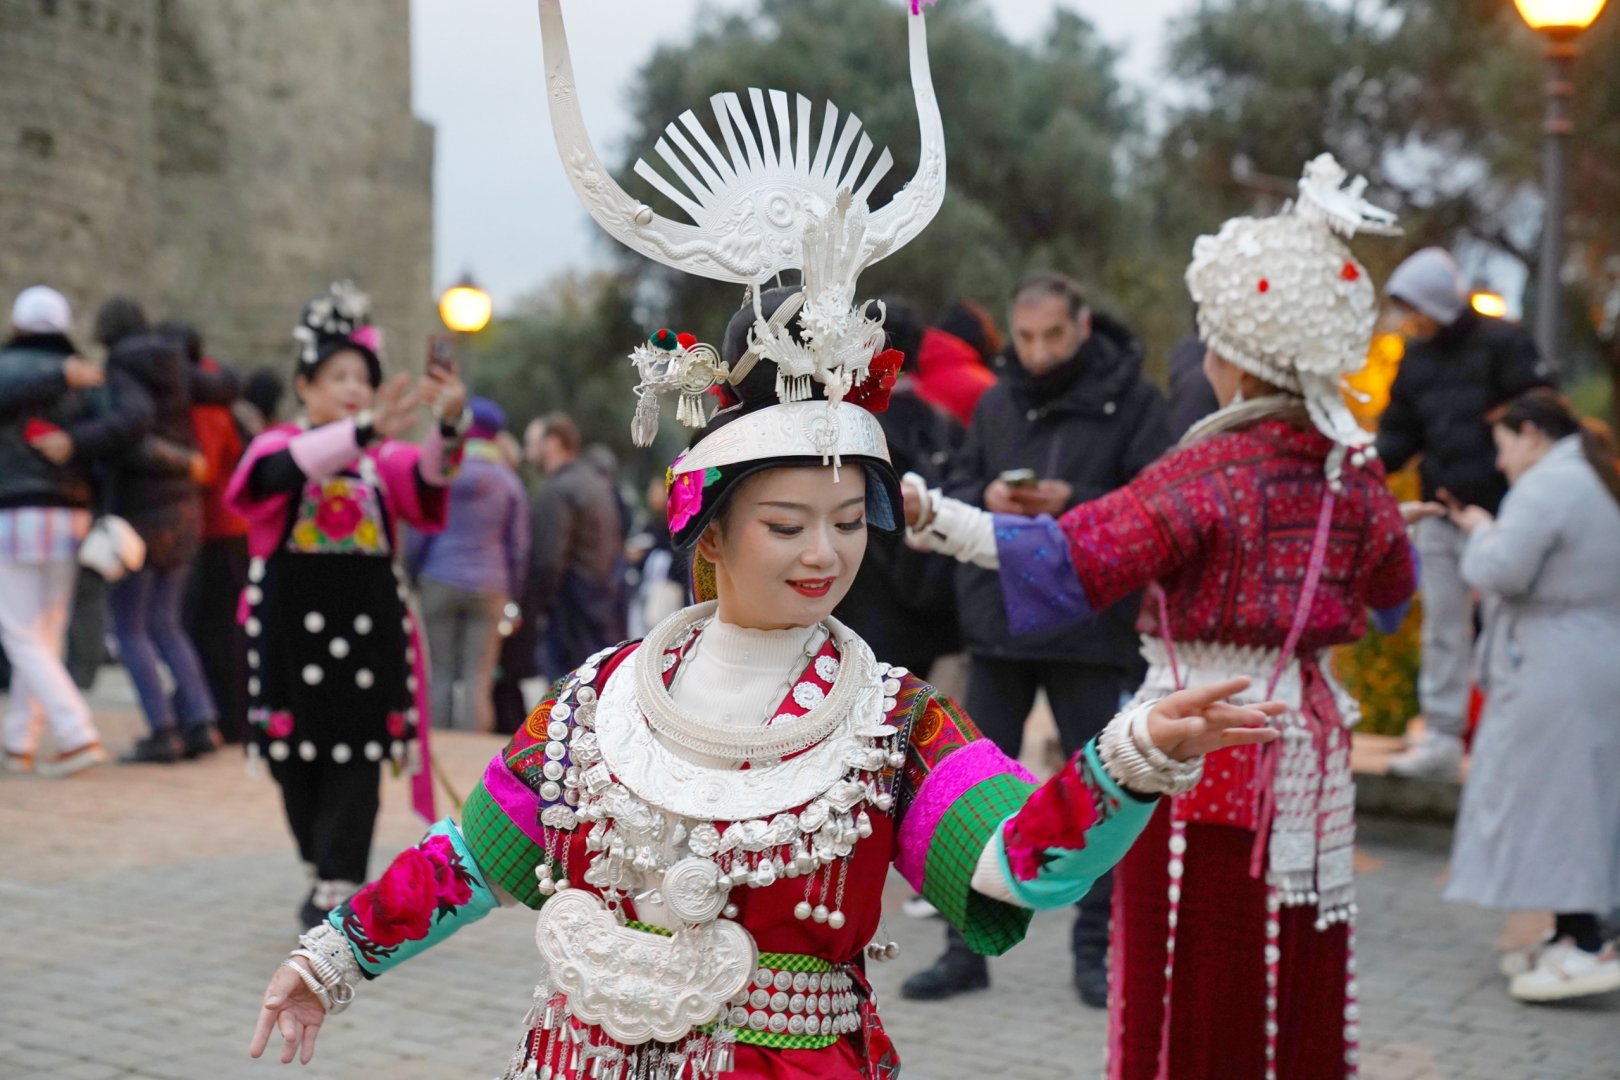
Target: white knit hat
point(40, 309)
point(1430, 281)
point(1283, 299)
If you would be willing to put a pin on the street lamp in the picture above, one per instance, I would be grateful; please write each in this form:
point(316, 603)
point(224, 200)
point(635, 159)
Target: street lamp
point(1561, 22)
point(1493, 305)
point(464, 307)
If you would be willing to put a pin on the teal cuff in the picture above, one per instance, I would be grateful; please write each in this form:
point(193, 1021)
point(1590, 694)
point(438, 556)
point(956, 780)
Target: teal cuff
point(424, 896)
point(1069, 874)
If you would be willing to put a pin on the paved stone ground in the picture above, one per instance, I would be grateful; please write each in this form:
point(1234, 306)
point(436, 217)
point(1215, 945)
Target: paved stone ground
point(143, 908)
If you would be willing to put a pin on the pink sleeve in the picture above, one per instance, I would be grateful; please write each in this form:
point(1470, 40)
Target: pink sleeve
point(423, 506)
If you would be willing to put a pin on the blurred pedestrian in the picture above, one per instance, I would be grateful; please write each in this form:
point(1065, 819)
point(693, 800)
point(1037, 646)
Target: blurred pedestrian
point(1540, 822)
point(332, 688)
point(578, 553)
point(949, 365)
point(1191, 396)
point(220, 572)
point(259, 406)
point(471, 573)
point(155, 488)
point(903, 602)
point(53, 427)
point(1459, 365)
point(1071, 419)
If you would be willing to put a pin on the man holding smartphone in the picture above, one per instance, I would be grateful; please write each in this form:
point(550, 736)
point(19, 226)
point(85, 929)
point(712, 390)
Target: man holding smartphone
point(1071, 418)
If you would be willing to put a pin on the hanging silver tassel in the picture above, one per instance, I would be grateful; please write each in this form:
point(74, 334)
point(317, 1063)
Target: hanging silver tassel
point(695, 409)
point(644, 427)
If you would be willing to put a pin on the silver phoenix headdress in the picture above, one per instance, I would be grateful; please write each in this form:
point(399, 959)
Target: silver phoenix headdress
point(779, 196)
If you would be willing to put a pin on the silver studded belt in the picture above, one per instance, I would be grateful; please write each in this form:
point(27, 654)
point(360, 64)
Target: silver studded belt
point(808, 1004)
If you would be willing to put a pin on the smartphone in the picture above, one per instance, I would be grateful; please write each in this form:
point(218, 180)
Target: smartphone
point(1019, 478)
point(441, 358)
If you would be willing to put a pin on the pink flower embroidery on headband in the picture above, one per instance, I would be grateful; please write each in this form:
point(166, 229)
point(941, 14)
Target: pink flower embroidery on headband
point(686, 494)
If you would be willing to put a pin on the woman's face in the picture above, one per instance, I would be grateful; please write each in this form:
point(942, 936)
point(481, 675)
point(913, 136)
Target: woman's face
point(340, 388)
point(787, 551)
point(1516, 451)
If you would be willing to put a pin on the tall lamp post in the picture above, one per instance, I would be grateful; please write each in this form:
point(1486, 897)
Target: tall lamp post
point(1560, 22)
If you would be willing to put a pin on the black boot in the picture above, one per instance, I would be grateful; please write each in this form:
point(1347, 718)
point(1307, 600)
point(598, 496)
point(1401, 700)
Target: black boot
point(159, 748)
point(1091, 977)
point(198, 741)
point(956, 972)
point(311, 914)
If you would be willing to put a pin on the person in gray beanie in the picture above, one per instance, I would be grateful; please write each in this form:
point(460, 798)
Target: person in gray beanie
point(1459, 365)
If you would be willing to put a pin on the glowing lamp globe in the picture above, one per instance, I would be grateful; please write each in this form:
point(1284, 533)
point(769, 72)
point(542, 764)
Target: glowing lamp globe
point(1563, 17)
point(465, 308)
point(1491, 305)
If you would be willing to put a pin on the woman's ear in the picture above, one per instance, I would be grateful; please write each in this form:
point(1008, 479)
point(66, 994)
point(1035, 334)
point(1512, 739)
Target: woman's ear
point(708, 544)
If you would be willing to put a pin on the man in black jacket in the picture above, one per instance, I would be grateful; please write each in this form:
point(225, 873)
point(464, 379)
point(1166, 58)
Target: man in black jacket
point(1458, 367)
point(1071, 419)
point(52, 426)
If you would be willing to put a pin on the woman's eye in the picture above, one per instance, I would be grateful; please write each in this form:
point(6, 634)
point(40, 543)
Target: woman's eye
point(785, 530)
point(852, 526)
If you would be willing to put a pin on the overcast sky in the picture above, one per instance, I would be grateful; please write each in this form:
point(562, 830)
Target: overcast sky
point(503, 208)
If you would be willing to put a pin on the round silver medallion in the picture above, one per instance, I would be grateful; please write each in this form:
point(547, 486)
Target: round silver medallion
point(692, 891)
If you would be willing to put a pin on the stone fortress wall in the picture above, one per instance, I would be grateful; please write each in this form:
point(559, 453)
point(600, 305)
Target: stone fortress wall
point(220, 160)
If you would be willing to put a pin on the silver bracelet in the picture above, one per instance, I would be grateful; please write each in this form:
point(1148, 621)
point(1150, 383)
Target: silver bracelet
point(1130, 757)
point(332, 963)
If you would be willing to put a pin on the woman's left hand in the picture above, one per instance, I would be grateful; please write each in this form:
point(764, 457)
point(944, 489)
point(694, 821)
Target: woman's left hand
point(1199, 721)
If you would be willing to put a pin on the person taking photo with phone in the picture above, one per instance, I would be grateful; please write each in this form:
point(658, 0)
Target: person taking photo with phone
point(1071, 418)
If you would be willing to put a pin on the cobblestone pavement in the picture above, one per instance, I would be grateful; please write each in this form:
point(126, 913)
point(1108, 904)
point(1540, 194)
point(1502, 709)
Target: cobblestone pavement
point(143, 908)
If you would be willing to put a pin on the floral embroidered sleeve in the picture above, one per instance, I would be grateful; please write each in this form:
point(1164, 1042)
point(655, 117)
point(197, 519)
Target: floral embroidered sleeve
point(965, 805)
point(458, 874)
point(427, 893)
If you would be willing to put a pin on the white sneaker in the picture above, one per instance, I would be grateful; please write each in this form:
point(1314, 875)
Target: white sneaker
point(1516, 962)
point(1562, 971)
point(1436, 757)
point(74, 761)
point(918, 908)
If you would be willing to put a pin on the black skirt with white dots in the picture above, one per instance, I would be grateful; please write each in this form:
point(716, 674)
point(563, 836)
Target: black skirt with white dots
point(330, 657)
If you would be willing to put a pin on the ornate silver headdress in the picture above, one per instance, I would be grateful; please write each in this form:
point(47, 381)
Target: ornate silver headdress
point(774, 199)
point(1283, 299)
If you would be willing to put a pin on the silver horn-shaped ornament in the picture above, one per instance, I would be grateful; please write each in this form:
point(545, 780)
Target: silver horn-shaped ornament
point(751, 202)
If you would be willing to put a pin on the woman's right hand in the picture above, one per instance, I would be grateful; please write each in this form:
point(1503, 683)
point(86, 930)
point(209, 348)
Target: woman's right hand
point(395, 410)
point(290, 1006)
point(1416, 511)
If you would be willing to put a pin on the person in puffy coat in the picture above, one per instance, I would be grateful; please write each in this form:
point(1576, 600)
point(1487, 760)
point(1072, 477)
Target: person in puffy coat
point(55, 423)
point(155, 488)
point(1459, 365)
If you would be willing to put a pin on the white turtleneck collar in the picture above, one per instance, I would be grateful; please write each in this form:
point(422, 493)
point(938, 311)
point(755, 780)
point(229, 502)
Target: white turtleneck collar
point(739, 675)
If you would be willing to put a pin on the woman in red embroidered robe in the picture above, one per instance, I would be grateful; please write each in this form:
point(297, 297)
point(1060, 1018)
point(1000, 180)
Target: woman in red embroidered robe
point(1270, 533)
point(705, 819)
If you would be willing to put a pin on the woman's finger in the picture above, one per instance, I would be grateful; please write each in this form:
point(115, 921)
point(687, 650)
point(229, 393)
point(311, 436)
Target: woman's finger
point(1225, 714)
point(1198, 698)
point(307, 1048)
point(289, 1036)
point(266, 1024)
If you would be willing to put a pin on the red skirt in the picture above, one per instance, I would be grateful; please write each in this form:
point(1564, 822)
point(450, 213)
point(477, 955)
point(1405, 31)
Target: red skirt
point(1217, 1023)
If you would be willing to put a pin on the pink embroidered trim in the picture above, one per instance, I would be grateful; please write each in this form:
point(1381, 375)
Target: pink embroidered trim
point(515, 799)
point(951, 779)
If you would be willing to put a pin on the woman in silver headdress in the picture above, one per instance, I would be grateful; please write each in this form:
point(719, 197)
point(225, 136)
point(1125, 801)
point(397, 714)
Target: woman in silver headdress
point(705, 819)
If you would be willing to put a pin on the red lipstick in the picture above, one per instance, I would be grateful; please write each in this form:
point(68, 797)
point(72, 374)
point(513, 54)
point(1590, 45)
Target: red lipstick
point(815, 588)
